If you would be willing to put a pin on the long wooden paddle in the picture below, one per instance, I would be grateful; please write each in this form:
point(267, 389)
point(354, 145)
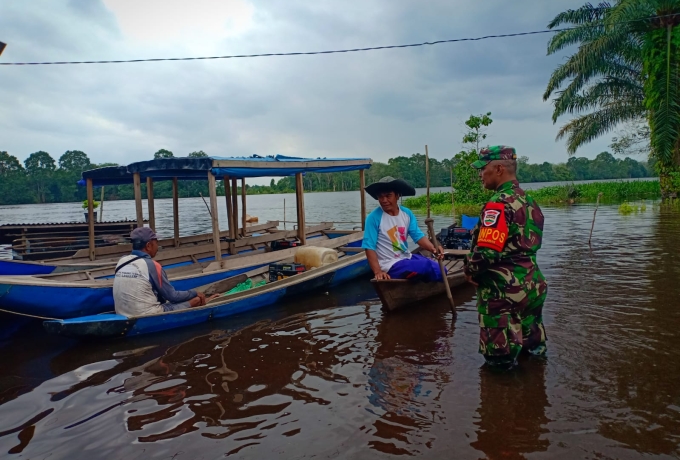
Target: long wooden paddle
point(433, 239)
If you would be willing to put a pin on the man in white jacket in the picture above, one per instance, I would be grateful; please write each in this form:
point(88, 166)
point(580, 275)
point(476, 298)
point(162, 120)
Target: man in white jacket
point(141, 286)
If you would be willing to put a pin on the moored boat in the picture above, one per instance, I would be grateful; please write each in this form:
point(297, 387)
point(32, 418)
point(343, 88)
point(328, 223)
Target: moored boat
point(69, 295)
point(350, 265)
point(399, 293)
point(86, 292)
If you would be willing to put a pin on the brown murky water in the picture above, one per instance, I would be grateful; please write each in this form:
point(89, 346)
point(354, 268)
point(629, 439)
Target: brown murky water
point(332, 376)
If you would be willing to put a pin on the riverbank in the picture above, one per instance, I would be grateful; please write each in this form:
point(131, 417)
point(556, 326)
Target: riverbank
point(612, 192)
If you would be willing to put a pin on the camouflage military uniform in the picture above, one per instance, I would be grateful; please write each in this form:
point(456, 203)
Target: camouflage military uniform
point(502, 261)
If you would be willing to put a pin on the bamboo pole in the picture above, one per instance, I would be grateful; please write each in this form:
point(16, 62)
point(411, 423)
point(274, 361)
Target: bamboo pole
point(300, 202)
point(433, 239)
point(234, 206)
point(175, 210)
point(243, 205)
point(101, 206)
point(230, 214)
point(150, 203)
point(427, 178)
point(138, 199)
point(453, 205)
point(213, 215)
point(90, 218)
point(206, 205)
point(362, 188)
point(597, 205)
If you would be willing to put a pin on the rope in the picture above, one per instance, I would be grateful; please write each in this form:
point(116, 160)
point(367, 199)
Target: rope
point(30, 316)
point(308, 53)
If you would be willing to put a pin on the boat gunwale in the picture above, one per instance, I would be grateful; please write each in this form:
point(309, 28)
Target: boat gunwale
point(33, 280)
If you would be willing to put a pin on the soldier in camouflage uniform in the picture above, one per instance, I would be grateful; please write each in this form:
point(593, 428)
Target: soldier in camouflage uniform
point(502, 264)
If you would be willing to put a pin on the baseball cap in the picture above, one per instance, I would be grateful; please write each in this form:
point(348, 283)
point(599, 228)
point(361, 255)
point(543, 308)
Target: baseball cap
point(143, 234)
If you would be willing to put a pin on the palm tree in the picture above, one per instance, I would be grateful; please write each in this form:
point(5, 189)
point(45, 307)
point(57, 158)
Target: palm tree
point(626, 69)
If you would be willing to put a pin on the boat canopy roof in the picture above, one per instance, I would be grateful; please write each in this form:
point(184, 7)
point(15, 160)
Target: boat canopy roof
point(236, 168)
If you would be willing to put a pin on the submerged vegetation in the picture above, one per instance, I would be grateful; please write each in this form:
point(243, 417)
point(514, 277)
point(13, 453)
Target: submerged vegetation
point(612, 192)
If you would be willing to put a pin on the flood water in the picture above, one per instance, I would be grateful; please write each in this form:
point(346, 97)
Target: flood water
point(332, 376)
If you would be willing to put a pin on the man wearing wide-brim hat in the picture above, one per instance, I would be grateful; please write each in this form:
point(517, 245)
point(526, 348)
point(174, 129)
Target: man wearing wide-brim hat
point(502, 263)
point(385, 237)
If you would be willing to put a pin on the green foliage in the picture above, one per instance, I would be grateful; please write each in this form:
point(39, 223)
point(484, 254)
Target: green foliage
point(467, 187)
point(74, 161)
point(627, 68)
point(604, 75)
point(163, 153)
point(95, 204)
point(612, 192)
point(626, 208)
point(197, 154)
point(9, 163)
point(440, 204)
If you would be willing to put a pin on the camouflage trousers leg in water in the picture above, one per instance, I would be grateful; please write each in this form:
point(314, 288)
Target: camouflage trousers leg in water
point(502, 337)
point(533, 330)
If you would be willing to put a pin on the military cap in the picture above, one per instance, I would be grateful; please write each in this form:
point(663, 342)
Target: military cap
point(495, 152)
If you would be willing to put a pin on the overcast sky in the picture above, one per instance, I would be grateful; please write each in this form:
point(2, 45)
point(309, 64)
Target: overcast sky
point(377, 104)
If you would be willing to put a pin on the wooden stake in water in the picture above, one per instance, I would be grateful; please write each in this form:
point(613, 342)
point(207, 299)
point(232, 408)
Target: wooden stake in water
point(284, 213)
point(206, 204)
point(427, 178)
point(597, 205)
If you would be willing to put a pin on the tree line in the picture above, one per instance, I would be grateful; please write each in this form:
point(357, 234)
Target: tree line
point(42, 179)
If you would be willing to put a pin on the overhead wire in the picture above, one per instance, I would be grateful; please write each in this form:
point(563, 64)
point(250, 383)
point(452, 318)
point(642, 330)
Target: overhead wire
point(337, 51)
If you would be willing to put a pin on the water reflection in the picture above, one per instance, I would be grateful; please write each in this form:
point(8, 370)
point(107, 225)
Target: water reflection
point(512, 413)
point(330, 377)
point(410, 370)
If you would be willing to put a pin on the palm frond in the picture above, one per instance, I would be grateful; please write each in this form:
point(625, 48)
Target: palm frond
point(586, 128)
point(584, 15)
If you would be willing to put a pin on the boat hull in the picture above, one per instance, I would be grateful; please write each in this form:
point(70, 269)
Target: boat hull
point(398, 293)
point(74, 301)
point(112, 325)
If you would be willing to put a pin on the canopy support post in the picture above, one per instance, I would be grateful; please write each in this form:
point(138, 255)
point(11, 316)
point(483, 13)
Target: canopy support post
point(300, 201)
point(230, 212)
point(213, 211)
point(90, 218)
point(101, 206)
point(362, 188)
point(175, 210)
point(234, 206)
point(243, 205)
point(138, 199)
point(149, 196)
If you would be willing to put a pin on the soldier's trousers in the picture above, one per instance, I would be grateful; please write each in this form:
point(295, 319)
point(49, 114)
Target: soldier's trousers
point(502, 337)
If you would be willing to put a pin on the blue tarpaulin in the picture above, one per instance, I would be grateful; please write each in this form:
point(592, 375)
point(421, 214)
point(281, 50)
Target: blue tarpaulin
point(235, 167)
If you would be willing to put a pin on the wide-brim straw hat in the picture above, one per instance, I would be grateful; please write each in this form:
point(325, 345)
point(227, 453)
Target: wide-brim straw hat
point(390, 184)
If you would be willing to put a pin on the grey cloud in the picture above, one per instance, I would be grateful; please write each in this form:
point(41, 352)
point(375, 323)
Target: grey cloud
point(378, 104)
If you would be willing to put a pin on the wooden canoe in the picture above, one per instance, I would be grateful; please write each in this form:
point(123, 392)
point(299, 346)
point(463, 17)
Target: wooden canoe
point(397, 293)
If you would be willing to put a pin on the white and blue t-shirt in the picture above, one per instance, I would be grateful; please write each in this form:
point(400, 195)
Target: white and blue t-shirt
point(386, 235)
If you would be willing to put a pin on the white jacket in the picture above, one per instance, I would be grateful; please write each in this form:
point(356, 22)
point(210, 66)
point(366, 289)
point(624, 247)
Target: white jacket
point(133, 294)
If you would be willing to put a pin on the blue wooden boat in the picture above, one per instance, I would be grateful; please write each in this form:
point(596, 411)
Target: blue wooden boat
point(113, 325)
point(67, 296)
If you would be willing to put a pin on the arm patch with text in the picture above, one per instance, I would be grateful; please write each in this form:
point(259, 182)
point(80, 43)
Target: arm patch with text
point(493, 232)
